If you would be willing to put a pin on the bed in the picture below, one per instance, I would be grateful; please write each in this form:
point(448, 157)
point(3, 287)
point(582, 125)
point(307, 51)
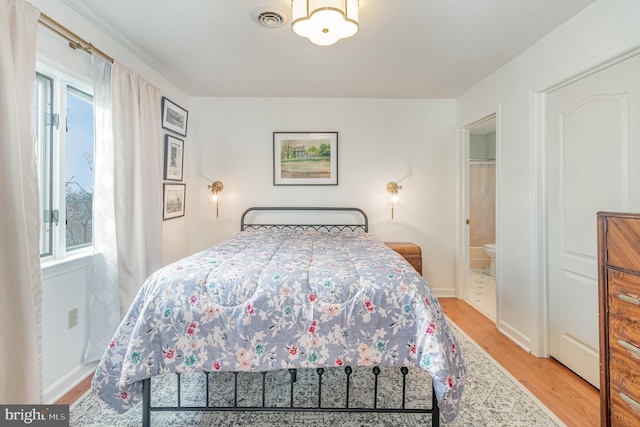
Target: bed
point(285, 296)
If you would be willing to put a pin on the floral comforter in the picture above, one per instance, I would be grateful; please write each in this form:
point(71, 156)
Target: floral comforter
point(272, 299)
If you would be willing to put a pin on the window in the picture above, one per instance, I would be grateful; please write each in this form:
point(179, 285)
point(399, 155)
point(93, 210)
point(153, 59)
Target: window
point(65, 140)
point(79, 169)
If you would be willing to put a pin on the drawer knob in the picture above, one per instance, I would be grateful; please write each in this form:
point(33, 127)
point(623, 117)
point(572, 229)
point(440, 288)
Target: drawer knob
point(635, 405)
point(628, 298)
point(635, 350)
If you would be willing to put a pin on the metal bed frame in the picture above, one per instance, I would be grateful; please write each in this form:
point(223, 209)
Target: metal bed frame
point(358, 225)
point(362, 224)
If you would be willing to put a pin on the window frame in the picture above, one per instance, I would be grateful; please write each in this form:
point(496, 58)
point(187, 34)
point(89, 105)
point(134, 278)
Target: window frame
point(61, 80)
point(44, 150)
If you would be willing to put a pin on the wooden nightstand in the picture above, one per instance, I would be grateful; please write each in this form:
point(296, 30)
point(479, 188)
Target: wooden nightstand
point(409, 251)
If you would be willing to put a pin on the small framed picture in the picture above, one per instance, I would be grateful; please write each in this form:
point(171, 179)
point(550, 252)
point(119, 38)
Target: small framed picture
point(174, 117)
point(173, 202)
point(173, 158)
point(305, 158)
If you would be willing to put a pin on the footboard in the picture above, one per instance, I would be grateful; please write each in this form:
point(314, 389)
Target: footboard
point(340, 401)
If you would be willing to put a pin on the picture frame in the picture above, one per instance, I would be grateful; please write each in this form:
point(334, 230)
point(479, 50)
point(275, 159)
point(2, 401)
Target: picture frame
point(174, 117)
point(305, 158)
point(173, 158)
point(173, 201)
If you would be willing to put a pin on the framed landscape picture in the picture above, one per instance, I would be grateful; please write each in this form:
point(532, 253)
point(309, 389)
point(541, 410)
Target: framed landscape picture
point(173, 201)
point(174, 117)
point(305, 158)
point(173, 158)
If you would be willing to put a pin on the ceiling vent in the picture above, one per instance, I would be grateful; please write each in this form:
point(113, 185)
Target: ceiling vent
point(270, 18)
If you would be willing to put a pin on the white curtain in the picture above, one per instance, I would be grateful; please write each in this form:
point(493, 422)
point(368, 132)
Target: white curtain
point(105, 297)
point(21, 283)
point(128, 196)
point(138, 189)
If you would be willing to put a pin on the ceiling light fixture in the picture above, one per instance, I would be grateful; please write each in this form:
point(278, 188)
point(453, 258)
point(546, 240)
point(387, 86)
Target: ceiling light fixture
point(324, 22)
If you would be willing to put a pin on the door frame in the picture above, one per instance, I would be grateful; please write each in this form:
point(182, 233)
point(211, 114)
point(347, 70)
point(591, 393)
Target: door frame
point(462, 208)
point(539, 296)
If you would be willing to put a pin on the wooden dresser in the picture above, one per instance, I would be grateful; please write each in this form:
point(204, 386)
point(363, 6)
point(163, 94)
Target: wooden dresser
point(409, 251)
point(619, 304)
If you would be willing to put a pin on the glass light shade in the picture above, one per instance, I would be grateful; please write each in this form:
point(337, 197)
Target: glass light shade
point(324, 22)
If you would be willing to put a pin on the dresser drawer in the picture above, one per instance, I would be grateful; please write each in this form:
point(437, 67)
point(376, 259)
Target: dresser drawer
point(623, 241)
point(624, 295)
point(625, 379)
point(623, 412)
point(624, 340)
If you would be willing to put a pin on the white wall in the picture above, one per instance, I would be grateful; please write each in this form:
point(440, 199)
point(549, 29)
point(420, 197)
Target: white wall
point(68, 286)
point(408, 141)
point(65, 287)
point(601, 31)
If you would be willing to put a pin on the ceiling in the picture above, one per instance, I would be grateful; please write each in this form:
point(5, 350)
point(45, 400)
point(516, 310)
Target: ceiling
point(432, 49)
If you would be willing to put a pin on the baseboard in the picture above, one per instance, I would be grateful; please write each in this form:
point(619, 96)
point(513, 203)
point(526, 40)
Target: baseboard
point(65, 384)
point(444, 292)
point(516, 336)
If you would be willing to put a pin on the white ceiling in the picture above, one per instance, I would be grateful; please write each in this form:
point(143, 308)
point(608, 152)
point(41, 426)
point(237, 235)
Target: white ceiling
point(405, 48)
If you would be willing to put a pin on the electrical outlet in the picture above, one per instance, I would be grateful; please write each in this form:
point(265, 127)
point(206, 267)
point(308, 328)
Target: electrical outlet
point(72, 318)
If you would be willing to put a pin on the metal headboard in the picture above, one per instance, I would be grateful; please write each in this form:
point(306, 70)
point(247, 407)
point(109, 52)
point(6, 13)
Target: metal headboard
point(362, 224)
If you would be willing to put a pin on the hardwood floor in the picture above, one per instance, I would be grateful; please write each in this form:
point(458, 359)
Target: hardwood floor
point(76, 393)
point(573, 400)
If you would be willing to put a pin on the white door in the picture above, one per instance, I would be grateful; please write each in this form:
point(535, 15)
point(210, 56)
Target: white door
point(593, 164)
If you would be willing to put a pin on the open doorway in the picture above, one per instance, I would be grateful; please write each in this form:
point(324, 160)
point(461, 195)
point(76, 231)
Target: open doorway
point(481, 217)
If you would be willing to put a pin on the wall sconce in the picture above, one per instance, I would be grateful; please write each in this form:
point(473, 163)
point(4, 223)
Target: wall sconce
point(393, 188)
point(215, 188)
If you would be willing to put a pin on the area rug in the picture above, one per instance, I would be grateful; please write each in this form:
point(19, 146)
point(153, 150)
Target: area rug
point(492, 397)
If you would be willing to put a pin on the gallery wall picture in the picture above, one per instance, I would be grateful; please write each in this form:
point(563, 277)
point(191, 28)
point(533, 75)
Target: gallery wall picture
point(174, 117)
point(173, 201)
point(173, 158)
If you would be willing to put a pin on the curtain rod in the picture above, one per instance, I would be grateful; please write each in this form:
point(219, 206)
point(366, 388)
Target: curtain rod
point(75, 41)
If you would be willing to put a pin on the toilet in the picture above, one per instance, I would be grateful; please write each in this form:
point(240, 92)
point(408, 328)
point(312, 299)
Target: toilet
point(490, 250)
